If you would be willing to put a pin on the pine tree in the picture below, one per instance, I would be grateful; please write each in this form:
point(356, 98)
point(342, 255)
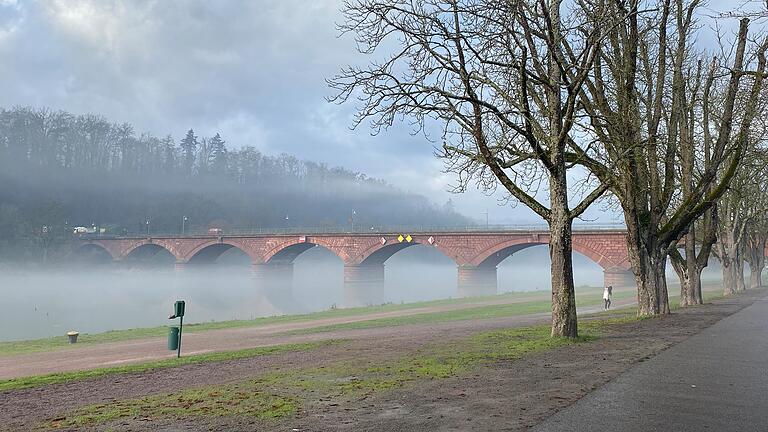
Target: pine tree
point(188, 147)
point(217, 155)
point(169, 154)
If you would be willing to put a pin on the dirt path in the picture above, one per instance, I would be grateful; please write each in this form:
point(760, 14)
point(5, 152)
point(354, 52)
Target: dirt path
point(143, 350)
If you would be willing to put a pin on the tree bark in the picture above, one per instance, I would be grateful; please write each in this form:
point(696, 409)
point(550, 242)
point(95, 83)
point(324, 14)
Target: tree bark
point(755, 276)
point(690, 285)
point(739, 274)
point(755, 255)
point(649, 263)
point(564, 321)
point(689, 272)
point(729, 275)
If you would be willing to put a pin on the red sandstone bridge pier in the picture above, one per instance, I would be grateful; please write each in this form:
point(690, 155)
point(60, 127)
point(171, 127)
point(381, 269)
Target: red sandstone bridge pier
point(476, 253)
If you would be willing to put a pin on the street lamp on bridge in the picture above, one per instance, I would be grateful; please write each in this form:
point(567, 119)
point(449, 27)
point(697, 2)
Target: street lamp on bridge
point(183, 224)
point(147, 227)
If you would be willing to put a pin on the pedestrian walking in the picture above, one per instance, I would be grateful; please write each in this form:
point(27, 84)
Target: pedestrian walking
point(607, 294)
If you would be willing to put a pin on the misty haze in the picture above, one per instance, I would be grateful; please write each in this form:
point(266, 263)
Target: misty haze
point(383, 215)
point(98, 297)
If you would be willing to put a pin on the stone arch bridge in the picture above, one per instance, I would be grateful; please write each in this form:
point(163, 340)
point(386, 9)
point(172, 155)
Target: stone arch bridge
point(475, 253)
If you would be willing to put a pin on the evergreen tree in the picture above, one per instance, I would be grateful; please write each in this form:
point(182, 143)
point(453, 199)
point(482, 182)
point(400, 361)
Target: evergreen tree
point(188, 148)
point(169, 154)
point(217, 155)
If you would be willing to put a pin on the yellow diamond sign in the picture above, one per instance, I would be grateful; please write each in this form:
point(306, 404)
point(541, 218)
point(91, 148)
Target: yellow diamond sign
point(400, 238)
point(409, 238)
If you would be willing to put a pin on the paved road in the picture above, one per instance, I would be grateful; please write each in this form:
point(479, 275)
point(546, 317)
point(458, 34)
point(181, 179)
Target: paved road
point(714, 381)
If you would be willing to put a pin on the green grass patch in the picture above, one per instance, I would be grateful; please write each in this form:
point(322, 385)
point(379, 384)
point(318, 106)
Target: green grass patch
point(474, 313)
point(280, 394)
point(239, 400)
point(61, 342)
point(64, 377)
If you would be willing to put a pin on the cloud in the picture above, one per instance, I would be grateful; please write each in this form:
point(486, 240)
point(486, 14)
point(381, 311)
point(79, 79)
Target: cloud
point(253, 70)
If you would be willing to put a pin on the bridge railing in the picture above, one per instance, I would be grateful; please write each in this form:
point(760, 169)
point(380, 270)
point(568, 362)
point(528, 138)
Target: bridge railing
point(357, 229)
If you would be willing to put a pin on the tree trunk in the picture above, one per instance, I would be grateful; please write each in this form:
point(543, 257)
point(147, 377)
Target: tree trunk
point(755, 276)
point(755, 256)
point(739, 274)
point(690, 273)
point(564, 321)
point(649, 266)
point(690, 287)
point(729, 275)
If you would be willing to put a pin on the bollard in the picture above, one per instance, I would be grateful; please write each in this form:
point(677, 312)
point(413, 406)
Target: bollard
point(72, 335)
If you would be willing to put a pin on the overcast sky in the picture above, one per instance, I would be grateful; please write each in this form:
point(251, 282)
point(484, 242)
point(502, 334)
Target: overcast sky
point(252, 70)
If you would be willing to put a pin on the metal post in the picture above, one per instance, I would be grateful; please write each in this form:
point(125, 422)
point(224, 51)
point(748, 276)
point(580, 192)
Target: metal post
point(181, 326)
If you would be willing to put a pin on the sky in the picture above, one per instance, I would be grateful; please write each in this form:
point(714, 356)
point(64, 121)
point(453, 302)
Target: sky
point(252, 70)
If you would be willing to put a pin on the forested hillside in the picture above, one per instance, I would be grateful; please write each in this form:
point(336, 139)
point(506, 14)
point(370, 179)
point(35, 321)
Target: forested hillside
point(59, 170)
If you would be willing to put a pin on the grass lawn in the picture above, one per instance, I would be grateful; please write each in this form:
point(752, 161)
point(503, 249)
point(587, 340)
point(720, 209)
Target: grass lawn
point(591, 298)
point(281, 394)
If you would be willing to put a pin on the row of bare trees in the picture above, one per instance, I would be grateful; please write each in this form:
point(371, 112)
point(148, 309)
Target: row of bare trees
point(564, 103)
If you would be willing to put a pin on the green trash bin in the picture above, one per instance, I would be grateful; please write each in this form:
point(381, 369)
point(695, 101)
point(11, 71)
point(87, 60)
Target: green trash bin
point(173, 338)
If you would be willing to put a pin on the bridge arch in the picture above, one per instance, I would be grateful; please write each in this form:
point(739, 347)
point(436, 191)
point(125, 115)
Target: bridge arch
point(379, 249)
point(379, 254)
point(210, 251)
point(495, 254)
point(146, 250)
point(94, 252)
point(287, 251)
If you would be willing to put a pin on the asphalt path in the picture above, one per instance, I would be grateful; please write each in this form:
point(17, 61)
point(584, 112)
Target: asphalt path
point(716, 380)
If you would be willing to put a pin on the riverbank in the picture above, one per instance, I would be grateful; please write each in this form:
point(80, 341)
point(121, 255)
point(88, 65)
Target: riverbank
point(375, 312)
point(473, 374)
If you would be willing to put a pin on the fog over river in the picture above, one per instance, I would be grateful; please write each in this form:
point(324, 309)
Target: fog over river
point(99, 297)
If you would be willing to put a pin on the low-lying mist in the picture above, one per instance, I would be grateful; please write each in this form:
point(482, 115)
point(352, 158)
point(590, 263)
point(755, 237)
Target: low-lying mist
point(90, 297)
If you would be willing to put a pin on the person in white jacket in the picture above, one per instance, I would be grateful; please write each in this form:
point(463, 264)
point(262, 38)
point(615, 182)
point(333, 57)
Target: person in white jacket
point(607, 294)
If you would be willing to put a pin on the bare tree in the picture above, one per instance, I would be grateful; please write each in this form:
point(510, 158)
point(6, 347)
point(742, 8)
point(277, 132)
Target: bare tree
point(757, 231)
point(757, 240)
point(635, 101)
point(701, 236)
point(742, 227)
point(502, 80)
